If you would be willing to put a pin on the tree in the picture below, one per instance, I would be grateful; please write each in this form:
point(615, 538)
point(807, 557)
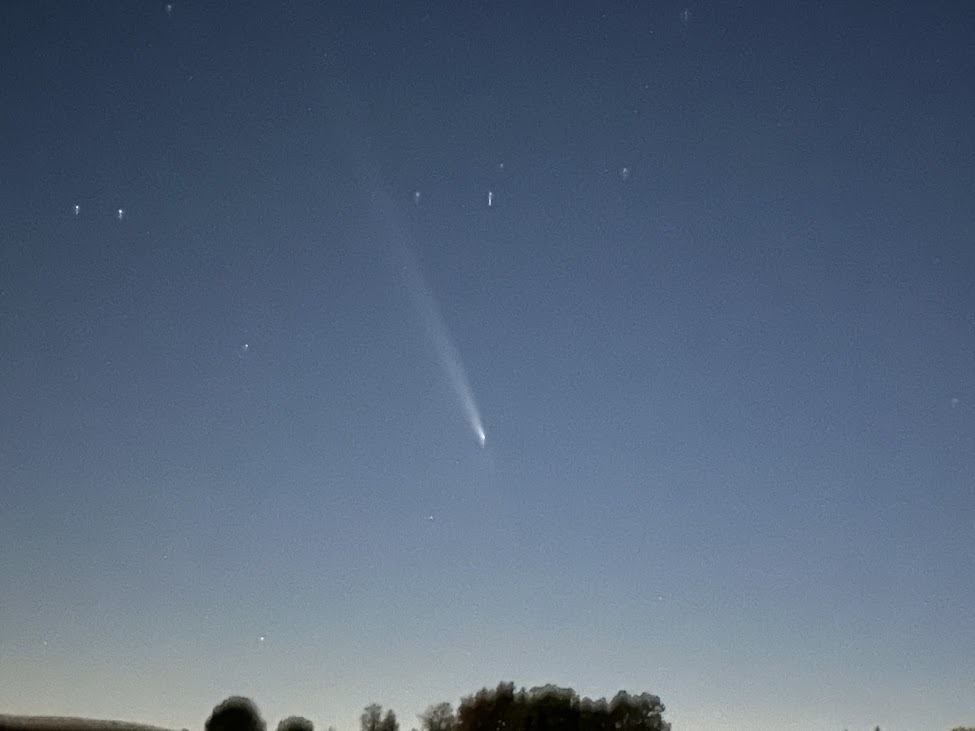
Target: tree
point(439, 717)
point(642, 712)
point(236, 713)
point(551, 708)
point(492, 710)
point(372, 719)
point(594, 715)
point(296, 723)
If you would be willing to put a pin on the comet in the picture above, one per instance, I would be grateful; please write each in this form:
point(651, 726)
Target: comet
point(394, 232)
point(446, 350)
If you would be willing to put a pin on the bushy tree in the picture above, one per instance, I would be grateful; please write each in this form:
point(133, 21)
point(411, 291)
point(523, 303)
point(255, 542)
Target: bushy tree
point(594, 715)
point(296, 723)
point(372, 719)
point(551, 708)
point(439, 717)
point(500, 709)
point(643, 712)
point(236, 713)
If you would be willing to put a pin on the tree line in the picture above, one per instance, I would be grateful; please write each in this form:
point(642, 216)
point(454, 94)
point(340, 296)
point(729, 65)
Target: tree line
point(544, 708)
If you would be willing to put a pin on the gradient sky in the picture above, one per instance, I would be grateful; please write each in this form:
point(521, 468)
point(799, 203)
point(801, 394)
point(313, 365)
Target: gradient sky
point(719, 321)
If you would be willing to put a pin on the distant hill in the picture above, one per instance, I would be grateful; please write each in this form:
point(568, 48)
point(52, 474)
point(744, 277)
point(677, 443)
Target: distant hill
point(60, 723)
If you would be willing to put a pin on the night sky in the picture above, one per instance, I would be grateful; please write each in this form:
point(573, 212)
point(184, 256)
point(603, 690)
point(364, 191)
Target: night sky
point(705, 272)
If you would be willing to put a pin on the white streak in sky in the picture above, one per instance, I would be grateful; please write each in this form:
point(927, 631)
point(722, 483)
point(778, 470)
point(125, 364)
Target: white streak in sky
point(395, 232)
point(447, 352)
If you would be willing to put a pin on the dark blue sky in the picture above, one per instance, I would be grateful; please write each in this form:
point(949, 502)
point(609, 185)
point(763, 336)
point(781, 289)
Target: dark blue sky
point(718, 320)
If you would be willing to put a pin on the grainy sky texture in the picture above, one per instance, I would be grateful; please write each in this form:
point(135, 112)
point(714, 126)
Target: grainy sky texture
point(718, 321)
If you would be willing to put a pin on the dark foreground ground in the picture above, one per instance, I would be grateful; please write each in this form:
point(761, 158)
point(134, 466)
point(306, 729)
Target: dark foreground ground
point(56, 723)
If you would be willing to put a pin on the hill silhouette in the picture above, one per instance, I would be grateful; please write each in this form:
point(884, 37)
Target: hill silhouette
point(65, 723)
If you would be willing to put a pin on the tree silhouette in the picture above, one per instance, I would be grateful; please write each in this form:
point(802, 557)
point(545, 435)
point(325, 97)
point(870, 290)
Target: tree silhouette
point(543, 708)
point(594, 715)
point(551, 708)
point(236, 713)
point(492, 710)
point(439, 717)
point(296, 723)
point(643, 712)
point(372, 719)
